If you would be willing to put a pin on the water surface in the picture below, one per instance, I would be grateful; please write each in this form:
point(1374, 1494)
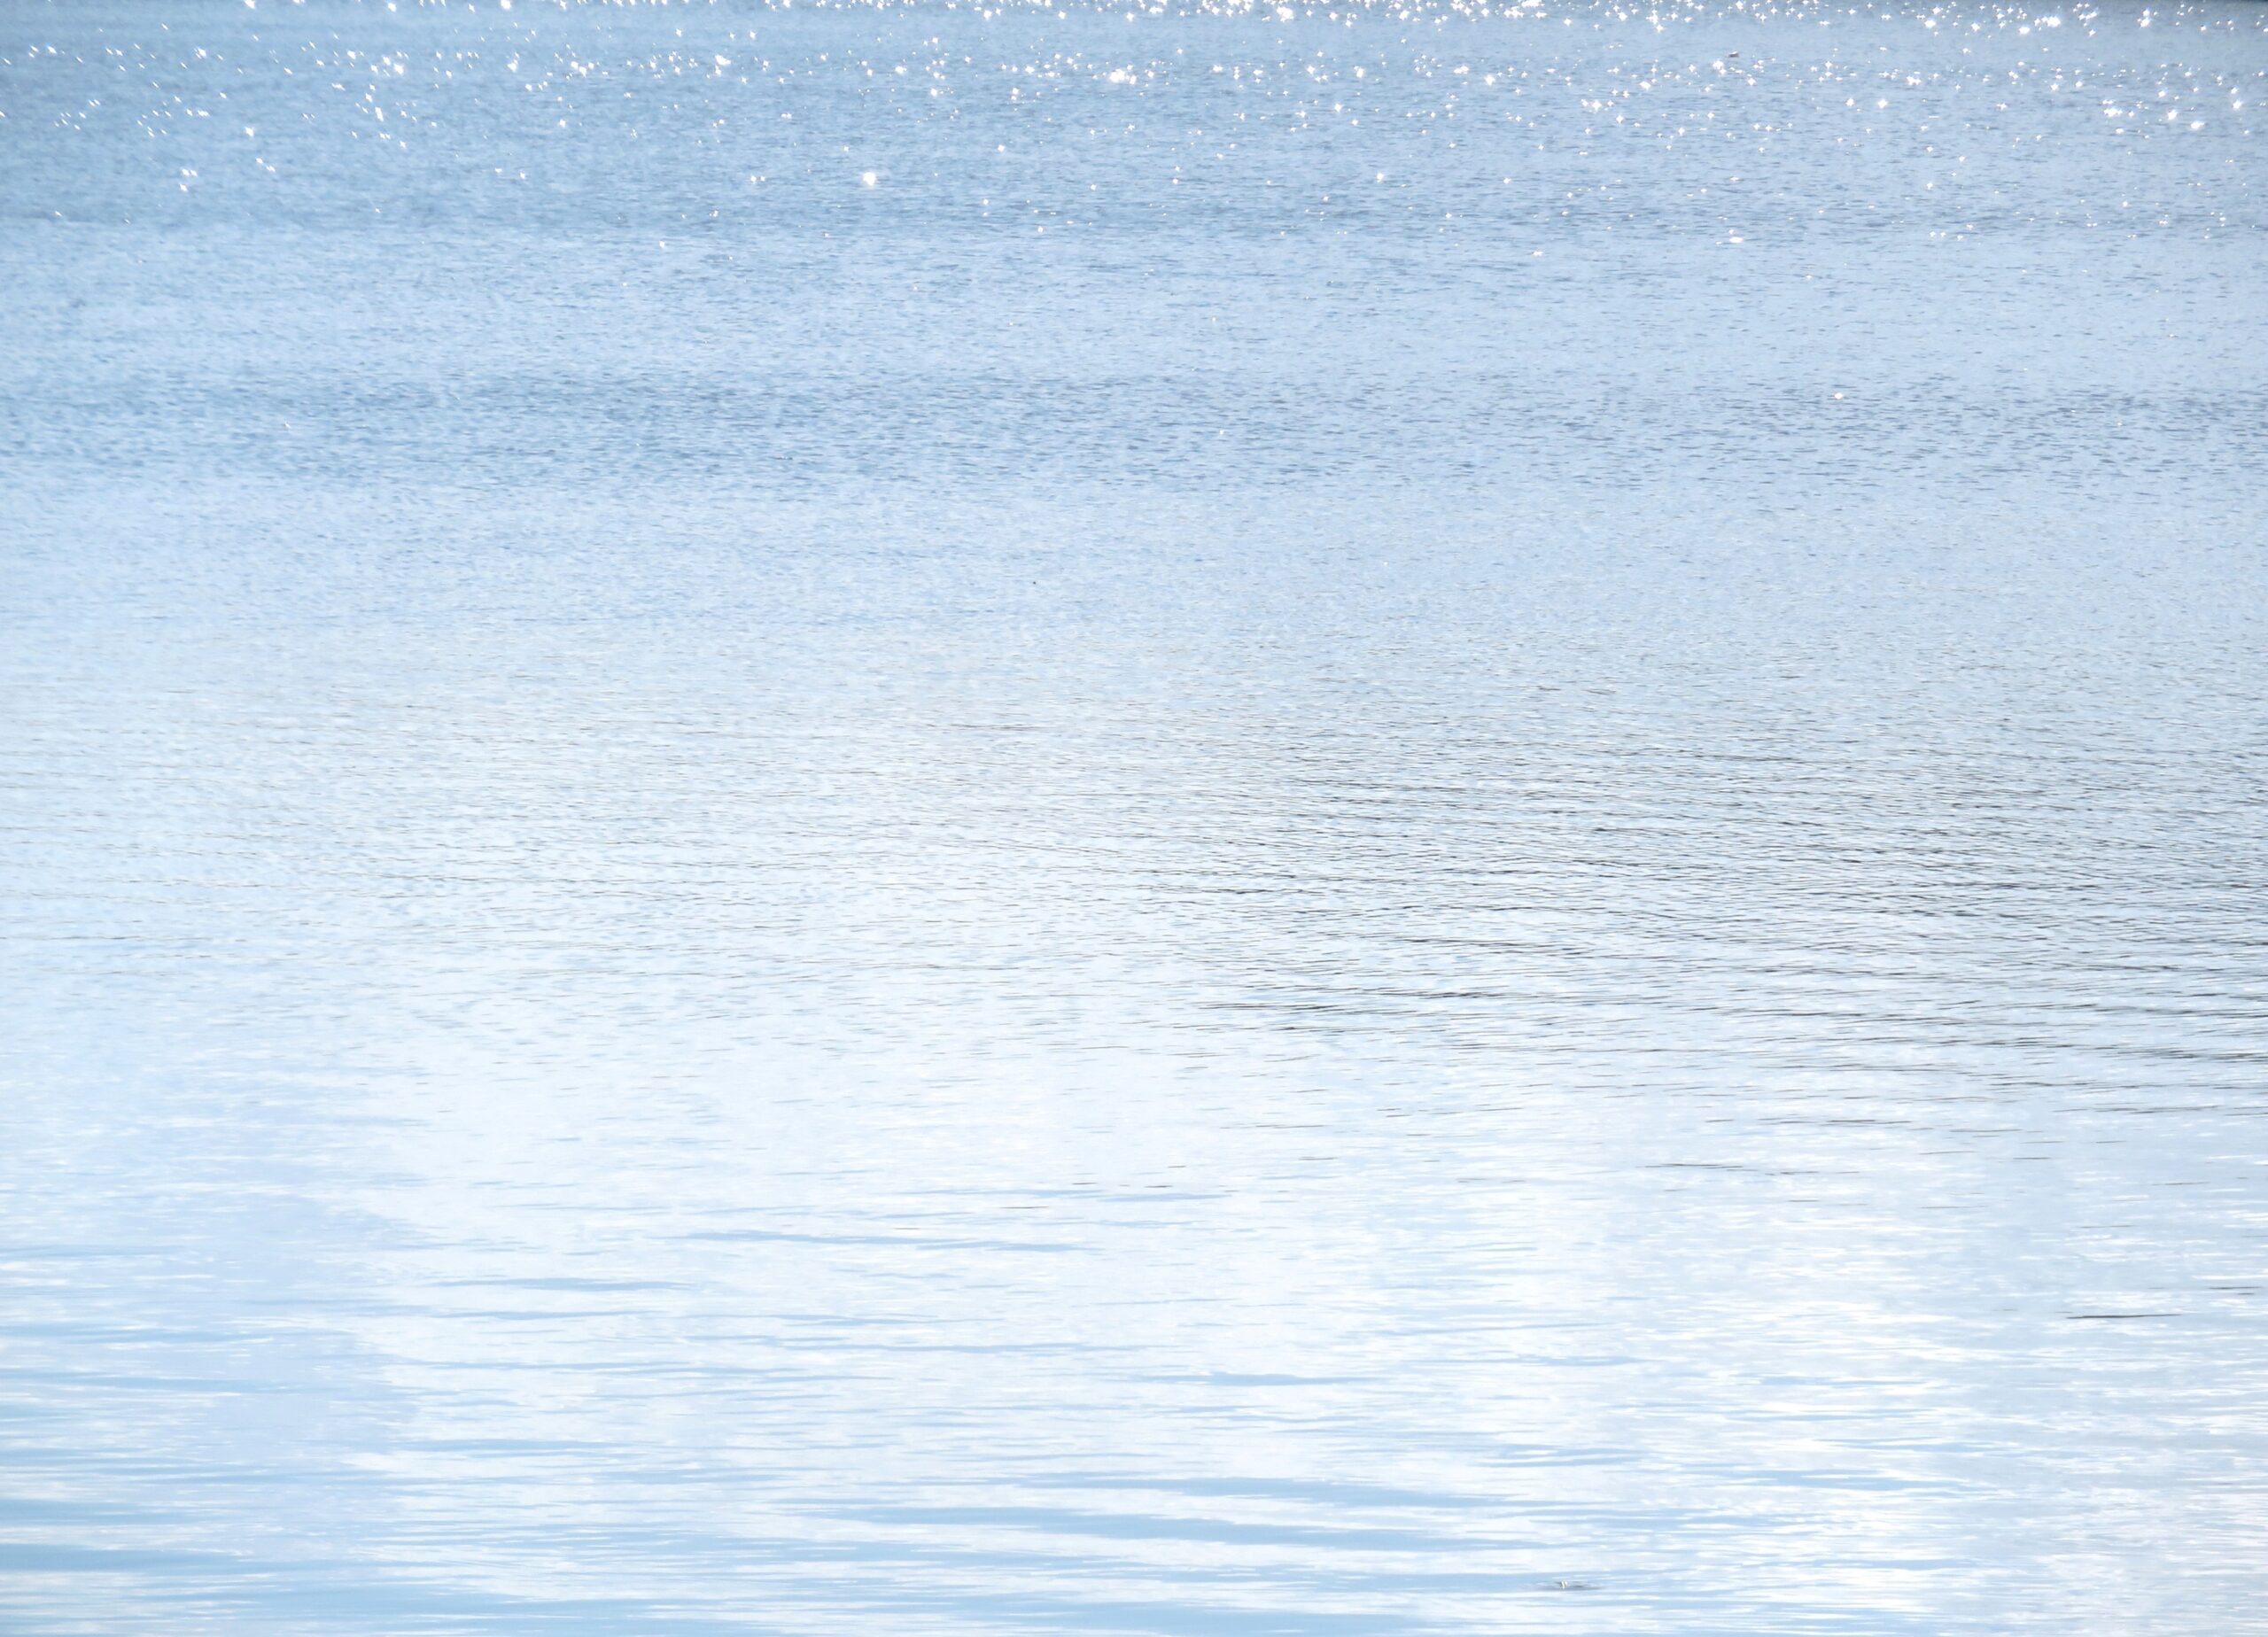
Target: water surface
point(922, 821)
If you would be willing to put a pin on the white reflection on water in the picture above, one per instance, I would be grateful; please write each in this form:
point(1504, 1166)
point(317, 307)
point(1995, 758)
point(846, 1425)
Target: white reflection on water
point(1191, 823)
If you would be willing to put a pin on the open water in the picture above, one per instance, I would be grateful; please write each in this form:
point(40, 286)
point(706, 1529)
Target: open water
point(1300, 821)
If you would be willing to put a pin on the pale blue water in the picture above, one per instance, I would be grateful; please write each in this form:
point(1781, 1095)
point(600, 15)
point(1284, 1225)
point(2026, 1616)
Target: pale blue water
point(903, 821)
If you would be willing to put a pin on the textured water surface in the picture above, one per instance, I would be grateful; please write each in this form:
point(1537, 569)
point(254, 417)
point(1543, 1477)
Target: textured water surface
point(826, 821)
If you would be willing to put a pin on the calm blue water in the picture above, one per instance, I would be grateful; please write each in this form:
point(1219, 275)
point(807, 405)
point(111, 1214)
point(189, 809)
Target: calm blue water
point(1305, 822)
